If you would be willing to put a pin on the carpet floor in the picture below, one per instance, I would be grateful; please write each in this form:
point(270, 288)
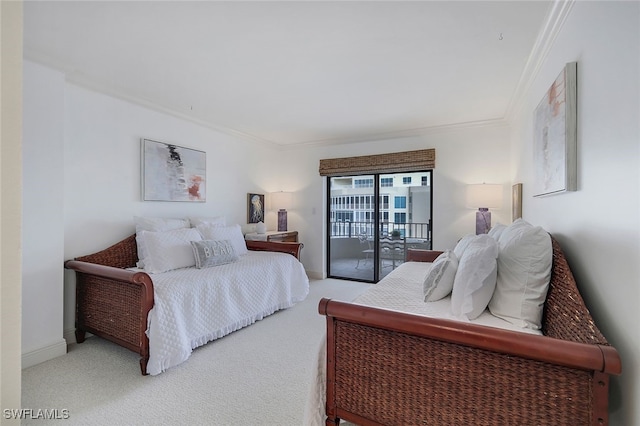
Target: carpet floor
point(258, 375)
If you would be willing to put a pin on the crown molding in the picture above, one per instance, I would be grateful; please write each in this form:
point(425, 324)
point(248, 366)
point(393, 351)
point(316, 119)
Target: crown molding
point(549, 31)
point(75, 78)
point(420, 131)
point(172, 112)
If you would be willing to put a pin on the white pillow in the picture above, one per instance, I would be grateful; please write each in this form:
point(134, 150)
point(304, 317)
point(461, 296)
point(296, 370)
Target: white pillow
point(475, 278)
point(462, 245)
point(169, 249)
point(232, 233)
point(216, 220)
point(524, 270)
point(439, 280)
point(210, 253)
point(154, 224)
point(496, 231)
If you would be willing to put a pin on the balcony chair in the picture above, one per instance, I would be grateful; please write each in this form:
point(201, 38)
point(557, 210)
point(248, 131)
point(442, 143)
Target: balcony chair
point(367, 253)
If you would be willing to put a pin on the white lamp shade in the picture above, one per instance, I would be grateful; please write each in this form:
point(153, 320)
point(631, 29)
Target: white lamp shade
point(484, 195)
point(281, 200)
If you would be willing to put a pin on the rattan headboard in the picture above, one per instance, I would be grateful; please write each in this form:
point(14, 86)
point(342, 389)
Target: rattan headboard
point(565, 314)
point(123, 254)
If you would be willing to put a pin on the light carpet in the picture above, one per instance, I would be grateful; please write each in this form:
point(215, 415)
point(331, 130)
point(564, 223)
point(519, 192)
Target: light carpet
point(258, 375)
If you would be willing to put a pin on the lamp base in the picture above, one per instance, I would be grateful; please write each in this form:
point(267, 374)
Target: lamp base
point(282, 220)
point(483, 221)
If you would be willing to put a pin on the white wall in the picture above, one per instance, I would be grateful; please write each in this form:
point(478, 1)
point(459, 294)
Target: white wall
point(102, 169)
point(598, 226)
point(11, 99)
point(43, 213)
point(485, 159)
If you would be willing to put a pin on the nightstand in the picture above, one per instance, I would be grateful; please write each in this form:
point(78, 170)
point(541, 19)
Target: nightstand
point(286, 236)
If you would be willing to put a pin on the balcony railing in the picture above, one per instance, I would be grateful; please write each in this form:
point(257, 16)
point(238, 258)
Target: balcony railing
point(418, 230)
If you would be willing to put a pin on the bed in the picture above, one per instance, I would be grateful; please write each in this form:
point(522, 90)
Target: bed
point(164, 316)
point(385, 365)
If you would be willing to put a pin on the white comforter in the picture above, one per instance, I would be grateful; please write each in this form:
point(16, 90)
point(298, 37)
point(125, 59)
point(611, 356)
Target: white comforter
point(401, 290)
point(194, 306)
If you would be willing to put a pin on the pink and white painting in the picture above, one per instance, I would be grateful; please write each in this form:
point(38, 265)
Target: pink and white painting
point(555, 136)
point(172, 173)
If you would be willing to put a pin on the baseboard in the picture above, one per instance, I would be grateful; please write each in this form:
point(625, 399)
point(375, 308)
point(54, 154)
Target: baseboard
point(70, 335)
point(315, 275)
point(44, 354)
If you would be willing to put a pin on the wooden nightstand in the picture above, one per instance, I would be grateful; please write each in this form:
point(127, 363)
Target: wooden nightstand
point(286, 236)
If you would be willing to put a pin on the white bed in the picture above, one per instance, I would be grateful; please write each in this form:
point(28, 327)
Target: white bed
point(194, 306)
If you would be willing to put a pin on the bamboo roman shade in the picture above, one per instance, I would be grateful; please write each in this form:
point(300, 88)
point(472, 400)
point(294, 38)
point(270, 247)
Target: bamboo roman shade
point(408, 161)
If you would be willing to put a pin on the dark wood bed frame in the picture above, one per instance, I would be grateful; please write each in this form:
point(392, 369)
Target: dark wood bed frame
point(392, 368)
point(113, 302)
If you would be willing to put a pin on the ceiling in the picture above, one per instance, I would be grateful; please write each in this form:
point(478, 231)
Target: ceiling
point(297, 72)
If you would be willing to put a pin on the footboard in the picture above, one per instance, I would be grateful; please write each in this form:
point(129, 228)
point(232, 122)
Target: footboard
point(392, 368)
point(277, 246)
point(114, 304)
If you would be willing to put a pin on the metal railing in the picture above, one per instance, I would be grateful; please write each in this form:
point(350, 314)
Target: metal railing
point(419, 230)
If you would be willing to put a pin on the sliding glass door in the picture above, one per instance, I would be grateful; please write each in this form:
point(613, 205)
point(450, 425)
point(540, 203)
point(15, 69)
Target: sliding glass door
point(374, 219)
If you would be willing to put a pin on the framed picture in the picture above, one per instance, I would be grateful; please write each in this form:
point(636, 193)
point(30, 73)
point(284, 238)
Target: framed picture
point(255, 208)
point(555, 136)
point(516, 201)
point(172, 173)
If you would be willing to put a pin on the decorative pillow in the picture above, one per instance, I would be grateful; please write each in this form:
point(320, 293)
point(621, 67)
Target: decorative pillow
point(475, 278)
point(213, 253)
point(169, 249)
point(496, 231)
point(524, 270)
point(216, 220)
point(232, 233)
point(439, 280)
point(154, 224)
point(462, 245)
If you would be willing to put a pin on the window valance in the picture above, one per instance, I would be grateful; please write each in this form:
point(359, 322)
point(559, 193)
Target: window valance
point(424, 159)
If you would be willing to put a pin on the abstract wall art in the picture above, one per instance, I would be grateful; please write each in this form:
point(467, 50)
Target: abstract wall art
point(555, 136)
point(172, 173)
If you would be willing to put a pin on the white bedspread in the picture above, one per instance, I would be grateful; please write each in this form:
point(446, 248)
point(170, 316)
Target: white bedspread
point(194, 306)
point(401, 290)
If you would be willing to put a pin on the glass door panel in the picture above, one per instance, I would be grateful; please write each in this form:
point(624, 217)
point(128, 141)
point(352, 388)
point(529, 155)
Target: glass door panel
point(351, 227)
point(404, 217)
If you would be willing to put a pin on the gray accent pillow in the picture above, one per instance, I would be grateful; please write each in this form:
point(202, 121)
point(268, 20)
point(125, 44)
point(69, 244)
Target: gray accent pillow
point(213, 253)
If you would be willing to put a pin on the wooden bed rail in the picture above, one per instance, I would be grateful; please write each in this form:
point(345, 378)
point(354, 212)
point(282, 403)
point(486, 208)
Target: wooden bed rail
point(293, 249)
point(535, 347)
point(392, 368)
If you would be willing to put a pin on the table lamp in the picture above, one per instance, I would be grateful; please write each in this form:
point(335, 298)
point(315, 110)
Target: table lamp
point(483, 197)
point(281, 201)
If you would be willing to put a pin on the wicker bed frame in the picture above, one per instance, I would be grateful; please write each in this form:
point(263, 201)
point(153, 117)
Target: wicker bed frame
point(392, 368)
point(113, 302)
